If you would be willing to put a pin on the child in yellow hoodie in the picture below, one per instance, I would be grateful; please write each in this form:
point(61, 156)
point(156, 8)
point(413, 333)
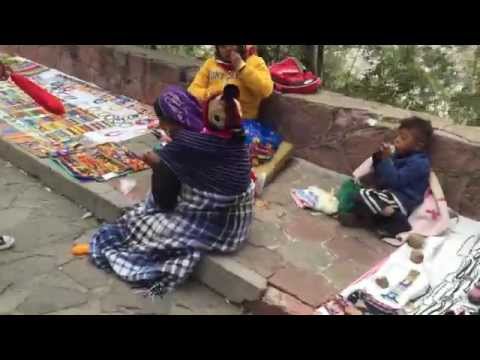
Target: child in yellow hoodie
point(237, 65)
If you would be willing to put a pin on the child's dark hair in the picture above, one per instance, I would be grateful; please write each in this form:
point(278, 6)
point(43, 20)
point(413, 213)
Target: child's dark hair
point(421, 129)
point(241, 49)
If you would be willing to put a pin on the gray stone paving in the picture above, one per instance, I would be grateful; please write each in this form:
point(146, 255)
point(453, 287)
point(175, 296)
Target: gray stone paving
point(40, 276)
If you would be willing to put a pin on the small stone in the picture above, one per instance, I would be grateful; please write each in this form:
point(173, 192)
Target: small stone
point(87, 215)
point(382, 282)
point(416, 241)
point(261, 204)
point(416, 257)
point(352, 310)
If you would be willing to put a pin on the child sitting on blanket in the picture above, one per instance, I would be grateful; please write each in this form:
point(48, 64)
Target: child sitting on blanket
point(401, 173)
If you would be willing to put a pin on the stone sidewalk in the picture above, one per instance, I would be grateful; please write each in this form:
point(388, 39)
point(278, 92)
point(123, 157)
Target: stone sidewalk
point(293, 260)
point(40, 276)
point(304, 257)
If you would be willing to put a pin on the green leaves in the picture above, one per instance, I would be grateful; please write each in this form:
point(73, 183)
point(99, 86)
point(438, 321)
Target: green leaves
point(440, 79)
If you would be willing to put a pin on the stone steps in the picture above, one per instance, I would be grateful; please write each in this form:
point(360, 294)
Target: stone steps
point(292, 261)
point(230, 279)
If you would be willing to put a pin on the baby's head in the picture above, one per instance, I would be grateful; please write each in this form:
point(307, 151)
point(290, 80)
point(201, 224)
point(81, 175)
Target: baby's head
point(414, 134)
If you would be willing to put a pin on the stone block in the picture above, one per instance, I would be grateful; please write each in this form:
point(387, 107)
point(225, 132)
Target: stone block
point(345, 246)
point(205, 301)
point(263, 261)
point(469, 203)
point(327, 156)
point(231, 279)
point(309, 256)
point(276, 302)
point(85, 274)
point(344, 272)
point(266, 234)
point(311, 228)
point(306, 286)
point(50, 299)
point(453, 155)
point(362, 143)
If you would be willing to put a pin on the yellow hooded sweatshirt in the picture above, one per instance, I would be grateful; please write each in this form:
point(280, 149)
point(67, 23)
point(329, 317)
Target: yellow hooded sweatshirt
point(254, 82)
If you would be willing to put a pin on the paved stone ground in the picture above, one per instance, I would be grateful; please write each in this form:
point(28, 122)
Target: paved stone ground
point(305, 258)
point(309, 256)
point(40, 276)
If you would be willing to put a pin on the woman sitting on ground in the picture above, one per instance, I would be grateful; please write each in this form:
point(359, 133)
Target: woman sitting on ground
point(201, 200)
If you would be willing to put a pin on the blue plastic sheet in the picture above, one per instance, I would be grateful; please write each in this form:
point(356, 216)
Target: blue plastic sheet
point(265, 134)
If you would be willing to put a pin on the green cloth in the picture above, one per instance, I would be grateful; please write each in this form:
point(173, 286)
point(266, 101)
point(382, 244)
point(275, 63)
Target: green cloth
point(157, 147)
point(346, 196)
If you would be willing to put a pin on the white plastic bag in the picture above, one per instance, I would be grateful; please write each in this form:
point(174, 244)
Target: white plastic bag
point(325, 202)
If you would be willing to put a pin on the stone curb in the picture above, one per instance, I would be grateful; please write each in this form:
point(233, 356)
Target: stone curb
point(223, 274)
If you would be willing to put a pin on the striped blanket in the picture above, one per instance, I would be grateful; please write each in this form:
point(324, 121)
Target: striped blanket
point(439, 285)
point(158, 250)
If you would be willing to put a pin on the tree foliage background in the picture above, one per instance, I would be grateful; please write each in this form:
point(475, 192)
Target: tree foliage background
point(439, 79)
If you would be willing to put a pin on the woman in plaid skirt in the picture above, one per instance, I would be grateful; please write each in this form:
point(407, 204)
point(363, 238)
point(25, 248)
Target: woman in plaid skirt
point(201, 199)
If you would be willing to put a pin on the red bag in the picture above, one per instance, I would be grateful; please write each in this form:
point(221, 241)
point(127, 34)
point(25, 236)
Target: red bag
point(290, 77)
point(48, 101)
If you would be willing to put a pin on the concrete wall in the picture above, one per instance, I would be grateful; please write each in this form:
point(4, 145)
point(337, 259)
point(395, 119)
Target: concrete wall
point(123, 69)
point(327, 129)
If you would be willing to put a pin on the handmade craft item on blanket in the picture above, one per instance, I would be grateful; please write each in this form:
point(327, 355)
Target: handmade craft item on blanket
point(101, 163)
point(40, 95)
point(339, 306)
point(263, 141)
point(394, 293)
point(90, 113)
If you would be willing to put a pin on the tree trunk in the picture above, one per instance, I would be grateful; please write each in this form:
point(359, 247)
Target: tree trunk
point(313, 57)
point(320, 60)
point(308, 58)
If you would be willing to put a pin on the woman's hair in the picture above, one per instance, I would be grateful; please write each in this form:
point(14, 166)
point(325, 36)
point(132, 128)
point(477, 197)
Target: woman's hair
point(158, 110)
point(421, 129)
point(176, 106)
point(231, 95)
point(242, 50)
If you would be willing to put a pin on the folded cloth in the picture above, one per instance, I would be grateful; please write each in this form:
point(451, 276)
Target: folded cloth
point(316, 199)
